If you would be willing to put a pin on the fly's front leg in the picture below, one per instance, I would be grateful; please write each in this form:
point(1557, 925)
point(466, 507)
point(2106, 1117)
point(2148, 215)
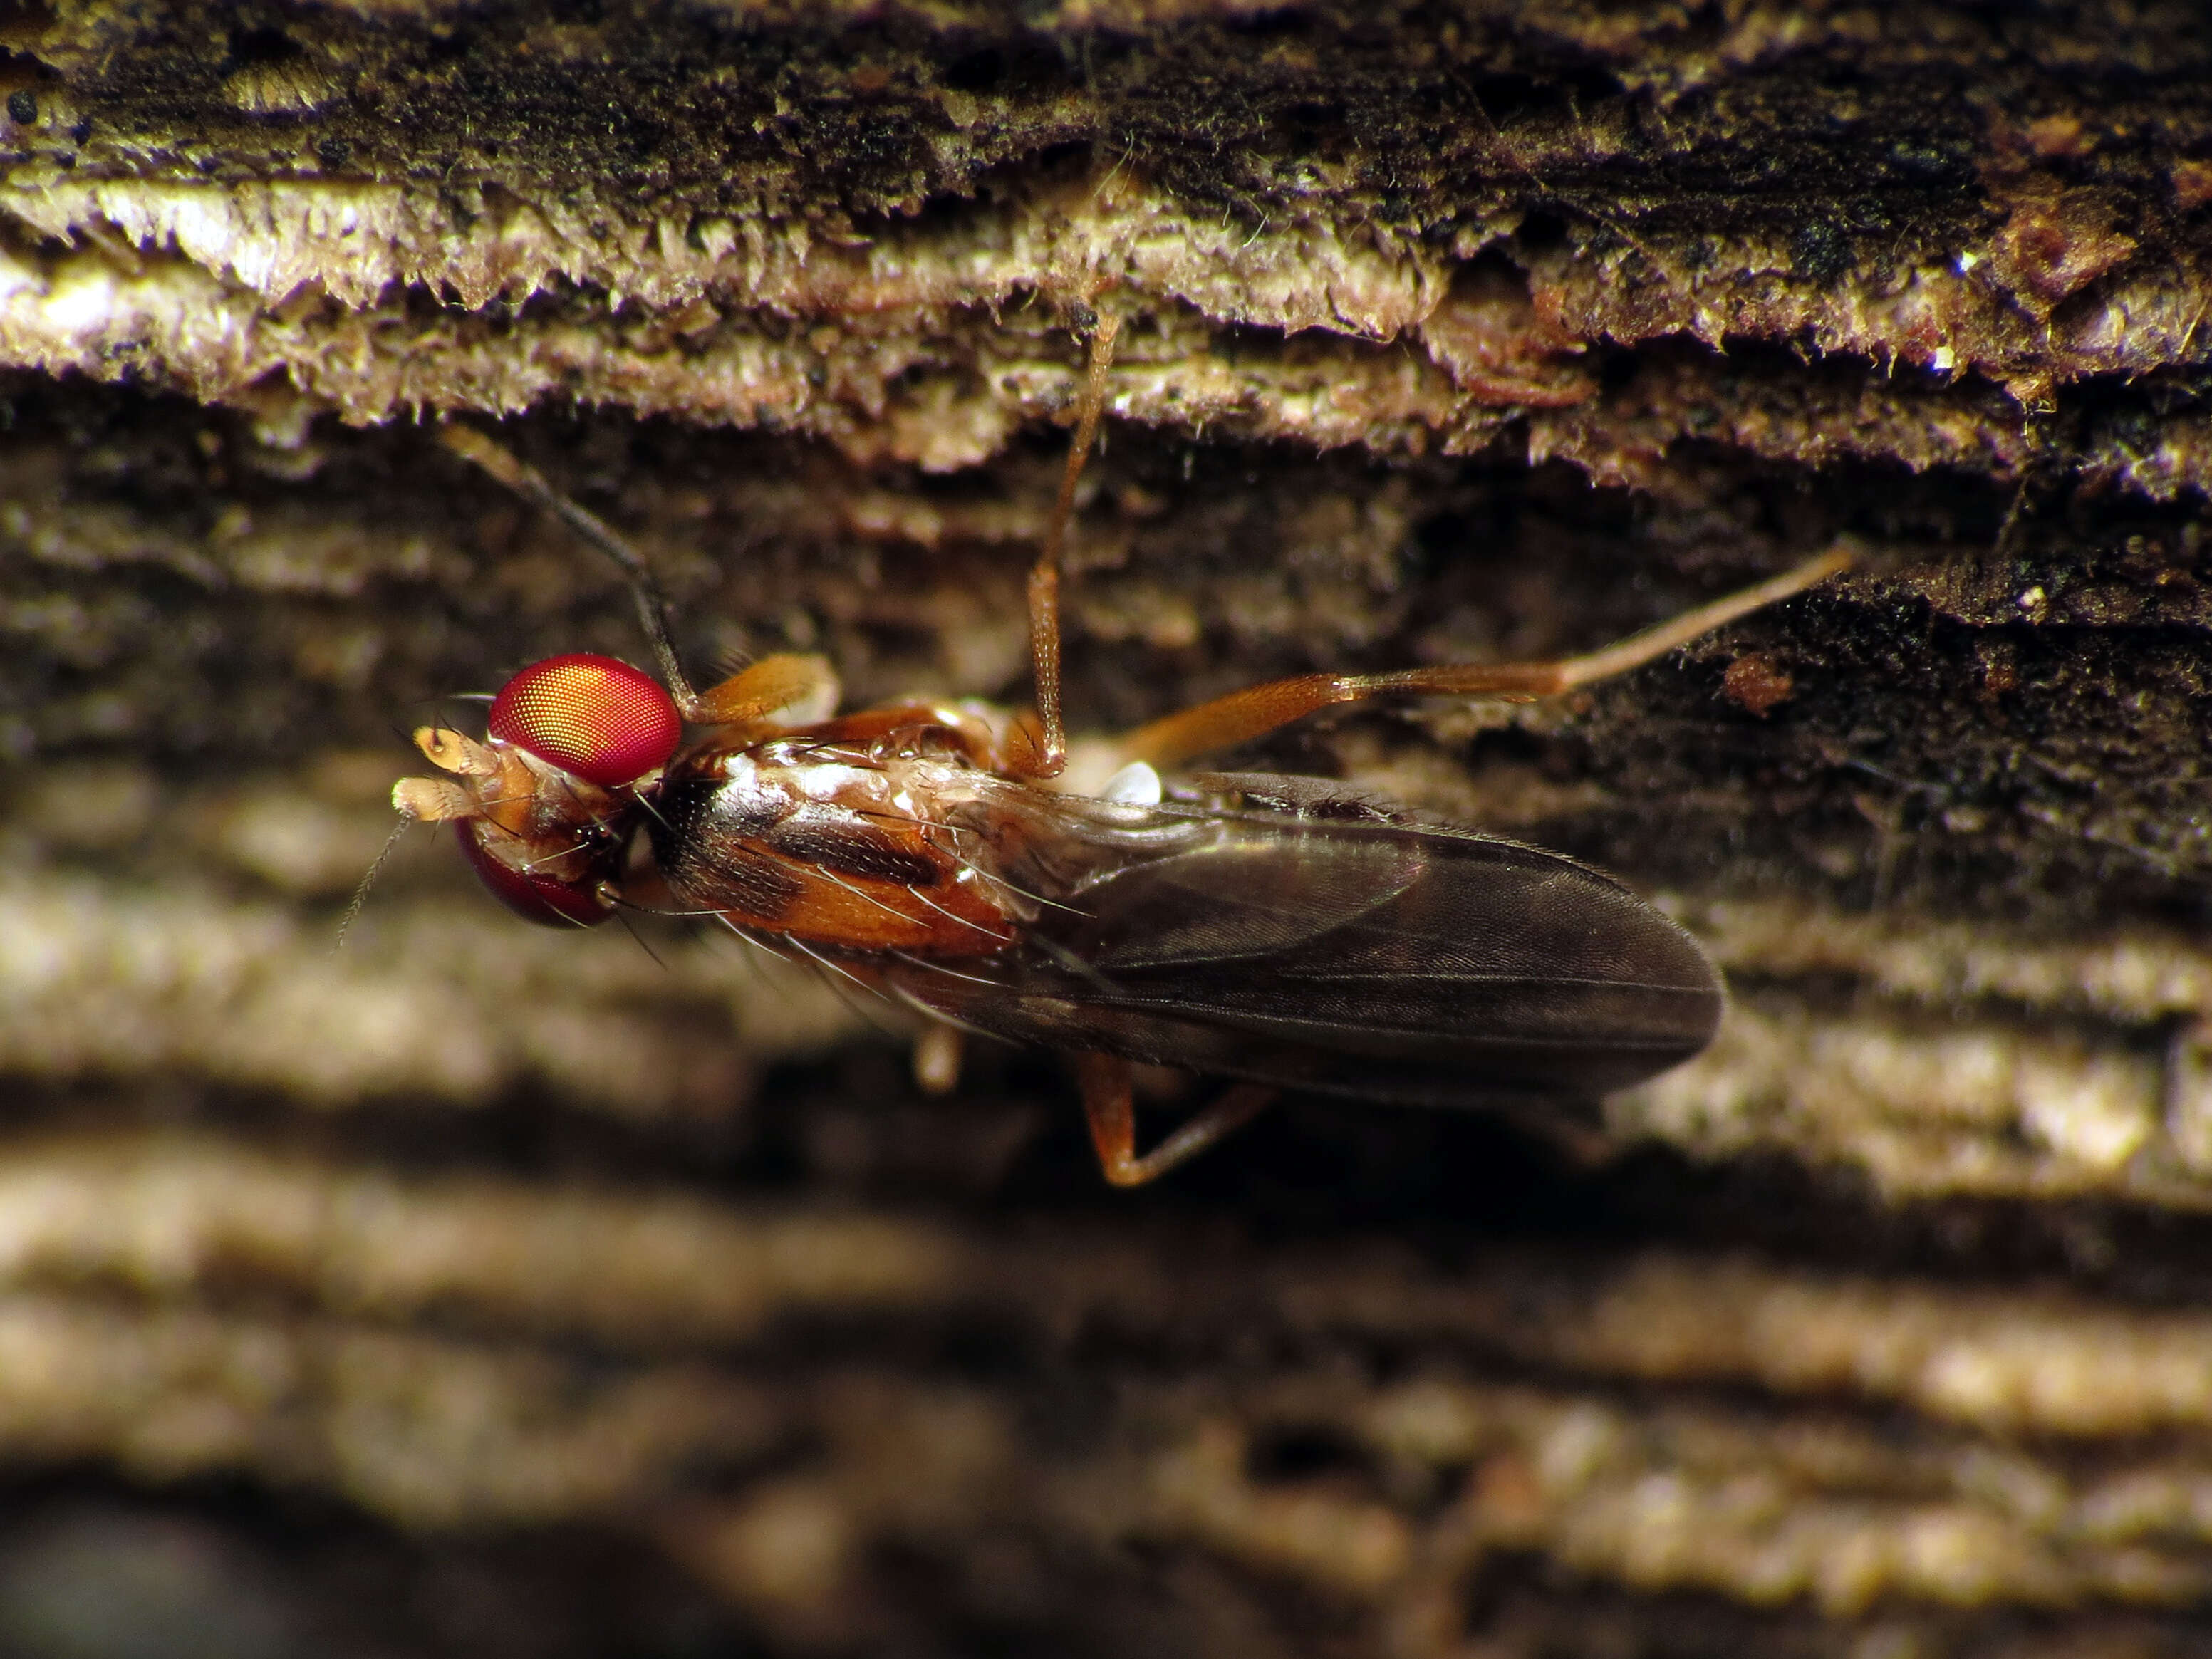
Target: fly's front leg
point(784, 690)
point(1108, 1104)
point(1242, 716)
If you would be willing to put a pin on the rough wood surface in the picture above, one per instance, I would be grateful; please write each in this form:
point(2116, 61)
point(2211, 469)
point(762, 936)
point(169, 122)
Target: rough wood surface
point(481, 1289)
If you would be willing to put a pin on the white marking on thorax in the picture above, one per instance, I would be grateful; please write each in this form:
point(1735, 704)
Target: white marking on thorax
point(1135, 784)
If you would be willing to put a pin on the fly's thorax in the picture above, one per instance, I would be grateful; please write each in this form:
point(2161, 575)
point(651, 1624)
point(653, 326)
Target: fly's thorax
point(844, 848)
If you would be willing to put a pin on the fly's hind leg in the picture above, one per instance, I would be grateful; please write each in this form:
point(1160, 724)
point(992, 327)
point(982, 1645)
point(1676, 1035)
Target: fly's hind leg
point(1242, 716)
point(1107, 1102)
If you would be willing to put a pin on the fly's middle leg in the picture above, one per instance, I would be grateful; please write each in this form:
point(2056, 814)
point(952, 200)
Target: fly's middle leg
point(1108, 1103)
point(937, 1056)
point(1048, 754)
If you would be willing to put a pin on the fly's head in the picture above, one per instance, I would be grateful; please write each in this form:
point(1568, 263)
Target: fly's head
point(545, 808)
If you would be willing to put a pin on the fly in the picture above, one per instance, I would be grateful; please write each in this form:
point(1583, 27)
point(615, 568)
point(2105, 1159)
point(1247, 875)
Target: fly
point(1283, 933)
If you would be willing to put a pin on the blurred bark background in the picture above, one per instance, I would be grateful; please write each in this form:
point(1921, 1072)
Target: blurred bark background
point(480, 1290)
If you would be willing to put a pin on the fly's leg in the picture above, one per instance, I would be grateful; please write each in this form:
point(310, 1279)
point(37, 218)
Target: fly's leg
point(785, 690)
point(527, 481)
point(1107, 1104)
point(1253, 712)
point(1257, 710)
point(937, 1055)
point(1050, 755)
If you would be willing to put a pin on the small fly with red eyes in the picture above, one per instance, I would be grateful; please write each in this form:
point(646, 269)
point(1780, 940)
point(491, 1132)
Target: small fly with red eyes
point(1283, 933)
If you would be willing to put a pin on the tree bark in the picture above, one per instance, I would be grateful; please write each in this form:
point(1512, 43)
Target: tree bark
point(475, 1288)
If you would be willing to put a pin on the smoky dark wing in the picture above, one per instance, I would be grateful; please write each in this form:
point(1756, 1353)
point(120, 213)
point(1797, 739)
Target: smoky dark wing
point(1397, 962)
point(1274, 895)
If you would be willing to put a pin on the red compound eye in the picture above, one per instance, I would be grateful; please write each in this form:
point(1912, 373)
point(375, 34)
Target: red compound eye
point(545, 899)
point(599, 719)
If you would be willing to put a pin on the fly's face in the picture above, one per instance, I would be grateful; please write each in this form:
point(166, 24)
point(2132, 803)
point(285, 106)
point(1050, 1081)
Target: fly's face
point(546, 806)
point(848, 849)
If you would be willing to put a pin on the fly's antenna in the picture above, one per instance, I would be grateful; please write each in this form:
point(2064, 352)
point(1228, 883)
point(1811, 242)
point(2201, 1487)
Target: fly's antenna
point(528, 483)
point(1044, 577)
point(368, 879)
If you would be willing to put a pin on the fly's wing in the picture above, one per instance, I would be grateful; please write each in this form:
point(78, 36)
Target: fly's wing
point(1392, 961)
